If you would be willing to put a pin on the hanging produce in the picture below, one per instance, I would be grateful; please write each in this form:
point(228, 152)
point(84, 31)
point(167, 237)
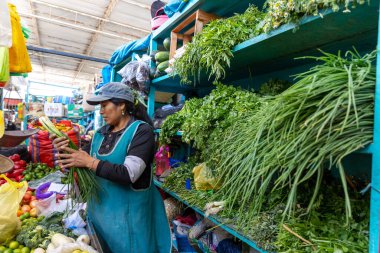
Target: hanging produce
point(83, 186)
point(305, 130)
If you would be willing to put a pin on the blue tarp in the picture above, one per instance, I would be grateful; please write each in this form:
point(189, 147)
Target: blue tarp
point(106, 75)
point(174, 6)
point(126, 51)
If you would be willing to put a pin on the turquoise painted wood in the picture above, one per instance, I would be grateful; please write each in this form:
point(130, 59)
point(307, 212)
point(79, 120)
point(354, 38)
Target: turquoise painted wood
point(179, 133)
point(151, 101)
point(374, 246)
point(213, 219)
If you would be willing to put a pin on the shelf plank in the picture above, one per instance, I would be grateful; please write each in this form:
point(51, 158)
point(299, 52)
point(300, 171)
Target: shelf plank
point(270, 52)
point(332, 31)
point(179, 133)
point(214, 220)
point(369, 149)
point(222, 8)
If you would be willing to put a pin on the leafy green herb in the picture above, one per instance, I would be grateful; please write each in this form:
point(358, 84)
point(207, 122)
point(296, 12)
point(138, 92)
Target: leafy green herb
point(211, 50)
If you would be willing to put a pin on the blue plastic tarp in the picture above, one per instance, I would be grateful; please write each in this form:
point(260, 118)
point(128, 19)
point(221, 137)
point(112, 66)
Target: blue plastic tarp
point(174, 6)
point(126, 51)
point(106, 75)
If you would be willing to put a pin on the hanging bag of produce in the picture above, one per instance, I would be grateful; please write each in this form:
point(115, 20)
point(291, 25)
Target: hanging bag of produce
point(5, 26)
point(4, 66)
point(19, 61)
point(11, 195)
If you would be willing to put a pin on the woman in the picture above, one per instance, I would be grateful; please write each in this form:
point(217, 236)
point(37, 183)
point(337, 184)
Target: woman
point(130, 215)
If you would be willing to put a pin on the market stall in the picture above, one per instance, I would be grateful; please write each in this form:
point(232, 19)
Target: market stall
point(264, 115)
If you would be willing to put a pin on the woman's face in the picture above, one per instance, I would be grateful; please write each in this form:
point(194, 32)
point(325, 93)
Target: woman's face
point(111, 113)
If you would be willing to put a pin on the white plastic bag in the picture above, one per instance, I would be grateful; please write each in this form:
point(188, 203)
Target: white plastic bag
point(5, 25)
point(75, 222)
point(70, 247)
point(46, 207)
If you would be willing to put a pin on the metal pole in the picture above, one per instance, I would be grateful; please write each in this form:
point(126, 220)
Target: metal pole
point(2, 99)
point(66, 54)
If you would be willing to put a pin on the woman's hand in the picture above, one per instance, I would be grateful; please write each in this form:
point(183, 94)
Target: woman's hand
point(76, 158)
point(59, 143)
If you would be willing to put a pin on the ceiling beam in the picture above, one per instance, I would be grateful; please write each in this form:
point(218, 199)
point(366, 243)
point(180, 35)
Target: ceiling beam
point(74, 26)
point(67, 54)
point(94, 38)
point(92, 16)
point(36, 32)
point(135, 3)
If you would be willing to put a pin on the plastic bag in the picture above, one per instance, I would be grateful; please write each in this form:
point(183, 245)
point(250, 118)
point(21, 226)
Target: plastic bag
point(162, 160)
point(46, 207)
point(136, 74)
point(75, 222)
point(203, 178)
point(5, 26)
point(11, 194)
point(52, 178)
point(174, 6)
point(70, 247)
point(4, 65)
point(19, 61)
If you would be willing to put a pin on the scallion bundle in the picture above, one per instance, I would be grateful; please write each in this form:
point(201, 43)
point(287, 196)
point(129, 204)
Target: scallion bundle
point(82, 182)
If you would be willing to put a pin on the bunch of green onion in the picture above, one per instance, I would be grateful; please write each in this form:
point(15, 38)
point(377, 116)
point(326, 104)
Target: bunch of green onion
point(82, 182)
point(301, 133)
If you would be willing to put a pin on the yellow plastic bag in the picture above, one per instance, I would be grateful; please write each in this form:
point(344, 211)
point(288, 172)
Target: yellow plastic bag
point(19, 61)
point(2, 123)
point(11, 194)
point(203, 178)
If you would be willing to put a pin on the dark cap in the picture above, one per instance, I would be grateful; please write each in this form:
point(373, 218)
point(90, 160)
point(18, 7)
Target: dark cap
point(112, 90)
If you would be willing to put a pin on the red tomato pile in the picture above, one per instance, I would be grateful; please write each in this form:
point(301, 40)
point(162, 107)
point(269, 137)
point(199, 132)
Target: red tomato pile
point(16, 173)
point(28, 206)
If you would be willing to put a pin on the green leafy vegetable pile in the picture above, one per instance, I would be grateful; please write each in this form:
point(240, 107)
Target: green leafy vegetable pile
point(279, 12)
point(37, 232)
point(204, 120)
point(211, 50)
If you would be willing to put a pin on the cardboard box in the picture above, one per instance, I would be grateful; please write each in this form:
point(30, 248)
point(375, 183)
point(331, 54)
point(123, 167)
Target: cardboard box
point(54, 110)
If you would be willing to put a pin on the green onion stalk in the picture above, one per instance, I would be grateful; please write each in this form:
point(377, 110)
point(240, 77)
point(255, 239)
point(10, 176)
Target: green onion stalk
point(308, 129)
point(83, 186)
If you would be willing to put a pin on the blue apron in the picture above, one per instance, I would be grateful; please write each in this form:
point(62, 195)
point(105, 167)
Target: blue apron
point(128, 220)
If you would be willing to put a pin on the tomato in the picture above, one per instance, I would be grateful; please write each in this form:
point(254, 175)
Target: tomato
point(17, 172)
point(25, 208)
point(22, 163)
point(8, 174)
point(15, 157)
point(19, 178)
point(27, 198)
point(29, 192)
point(33, 203)
point(19, 213)
point(2, 181)
point(33, 198)
point(33, 212)
point(16, 167)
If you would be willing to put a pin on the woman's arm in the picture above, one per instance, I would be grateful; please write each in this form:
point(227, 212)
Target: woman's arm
point(140, 155)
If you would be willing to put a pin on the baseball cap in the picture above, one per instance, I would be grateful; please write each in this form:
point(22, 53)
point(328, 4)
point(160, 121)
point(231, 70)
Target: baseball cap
point(112, 90)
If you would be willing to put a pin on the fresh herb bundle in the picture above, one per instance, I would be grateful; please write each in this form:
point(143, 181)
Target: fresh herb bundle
point(211, 50)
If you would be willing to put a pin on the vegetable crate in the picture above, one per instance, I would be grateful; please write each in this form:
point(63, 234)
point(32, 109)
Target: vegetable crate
point(188, 28)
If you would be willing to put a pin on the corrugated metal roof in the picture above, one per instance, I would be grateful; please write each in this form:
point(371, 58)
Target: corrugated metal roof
point(89, 27)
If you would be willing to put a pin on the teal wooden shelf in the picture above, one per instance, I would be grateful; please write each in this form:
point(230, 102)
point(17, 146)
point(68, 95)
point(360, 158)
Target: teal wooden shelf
point(213, 219)
point(179, 133)
point(222, 8)
point(370, 149)
point(332, 31)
